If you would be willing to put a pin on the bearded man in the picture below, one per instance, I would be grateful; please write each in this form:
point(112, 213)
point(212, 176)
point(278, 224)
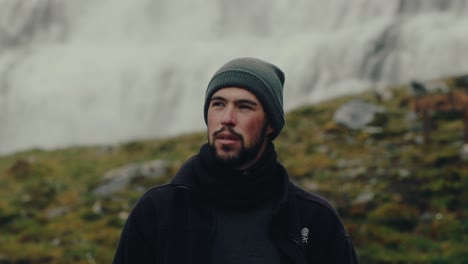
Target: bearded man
point(233, 201)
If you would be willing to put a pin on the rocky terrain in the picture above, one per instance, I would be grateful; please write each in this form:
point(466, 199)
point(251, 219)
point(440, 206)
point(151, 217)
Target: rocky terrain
point(403, 198)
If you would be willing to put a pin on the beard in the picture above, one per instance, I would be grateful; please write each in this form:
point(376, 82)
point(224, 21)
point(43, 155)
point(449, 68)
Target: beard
point(244, 155)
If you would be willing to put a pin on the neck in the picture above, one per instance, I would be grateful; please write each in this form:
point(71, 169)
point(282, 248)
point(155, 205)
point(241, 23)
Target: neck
point(258, 182)
point(252, 162)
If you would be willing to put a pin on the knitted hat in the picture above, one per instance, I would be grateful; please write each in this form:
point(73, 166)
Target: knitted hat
point(261, 78)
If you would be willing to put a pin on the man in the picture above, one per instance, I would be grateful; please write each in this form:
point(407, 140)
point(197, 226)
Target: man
point(233, 201)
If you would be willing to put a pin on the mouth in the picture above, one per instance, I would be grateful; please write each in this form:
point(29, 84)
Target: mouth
point(227, 138)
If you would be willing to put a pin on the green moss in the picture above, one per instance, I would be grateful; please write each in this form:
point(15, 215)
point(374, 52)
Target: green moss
point(396, 215)
point(415, 211)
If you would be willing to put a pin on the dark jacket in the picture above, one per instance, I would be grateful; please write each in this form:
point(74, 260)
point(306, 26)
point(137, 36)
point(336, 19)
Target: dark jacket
point(171, 224)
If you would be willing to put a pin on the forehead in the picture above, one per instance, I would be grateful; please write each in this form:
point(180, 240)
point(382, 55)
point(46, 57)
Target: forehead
point(235, 94)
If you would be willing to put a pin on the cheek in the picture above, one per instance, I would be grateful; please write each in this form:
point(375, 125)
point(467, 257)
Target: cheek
point(254, 127)
point(211, 124)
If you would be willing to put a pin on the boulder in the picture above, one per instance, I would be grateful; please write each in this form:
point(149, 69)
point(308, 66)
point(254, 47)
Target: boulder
point(464, 152)
point(119, 178)
point(357, 114)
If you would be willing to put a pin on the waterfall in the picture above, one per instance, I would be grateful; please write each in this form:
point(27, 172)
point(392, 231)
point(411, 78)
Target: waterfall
point(102, 72)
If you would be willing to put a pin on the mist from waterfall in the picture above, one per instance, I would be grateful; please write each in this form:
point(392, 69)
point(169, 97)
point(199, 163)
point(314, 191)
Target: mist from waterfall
point(102, 72)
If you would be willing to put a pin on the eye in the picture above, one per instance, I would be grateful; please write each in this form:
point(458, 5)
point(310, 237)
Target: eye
point(217, 104)
point(245, 106)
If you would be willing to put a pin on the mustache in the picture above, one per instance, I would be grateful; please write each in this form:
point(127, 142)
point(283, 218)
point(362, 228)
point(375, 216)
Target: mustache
point(228, 129)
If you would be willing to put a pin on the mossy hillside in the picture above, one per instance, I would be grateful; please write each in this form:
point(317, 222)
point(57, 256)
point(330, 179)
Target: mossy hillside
point(402, 201)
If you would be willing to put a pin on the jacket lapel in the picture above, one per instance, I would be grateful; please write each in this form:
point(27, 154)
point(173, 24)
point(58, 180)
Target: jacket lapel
point(189, 240)
point(285, 229)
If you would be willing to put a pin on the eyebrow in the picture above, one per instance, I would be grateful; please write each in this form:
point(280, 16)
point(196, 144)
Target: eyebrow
point(241, 101)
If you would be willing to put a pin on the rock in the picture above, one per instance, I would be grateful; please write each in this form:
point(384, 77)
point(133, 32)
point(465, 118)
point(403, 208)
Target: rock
point(422, 88)
point(97, 208)
point(341, 164)
point(56, 212)
point(322, 149)
point(427, 217)
point(413, 122)
point(404, 173)
point(417, 88)
point(355, 172)
point(311, 186)
point(351, 168)
point(153, 169)
point(461, 81)
point(419, 140)
point(464, 152)
point(123, 215)
point(364, 197)
point(357, 114)
point(117, 179)
point(384, 94)
point(56, 242)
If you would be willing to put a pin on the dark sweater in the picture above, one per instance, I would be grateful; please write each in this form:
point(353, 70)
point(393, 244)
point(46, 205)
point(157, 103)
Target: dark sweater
point(244, 237)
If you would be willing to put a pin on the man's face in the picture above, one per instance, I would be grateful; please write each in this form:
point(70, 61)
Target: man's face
point(237, 127)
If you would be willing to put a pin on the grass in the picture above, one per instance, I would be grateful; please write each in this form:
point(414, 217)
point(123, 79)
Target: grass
point(402, 201)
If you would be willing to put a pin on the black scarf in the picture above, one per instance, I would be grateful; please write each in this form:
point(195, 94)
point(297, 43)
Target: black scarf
point(228, 187)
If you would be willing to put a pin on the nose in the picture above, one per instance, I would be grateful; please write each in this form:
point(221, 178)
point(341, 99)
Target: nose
point(228, 118)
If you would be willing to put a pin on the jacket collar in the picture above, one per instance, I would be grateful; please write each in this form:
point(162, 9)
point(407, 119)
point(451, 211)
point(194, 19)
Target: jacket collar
point(184, 177)
point(286, 227)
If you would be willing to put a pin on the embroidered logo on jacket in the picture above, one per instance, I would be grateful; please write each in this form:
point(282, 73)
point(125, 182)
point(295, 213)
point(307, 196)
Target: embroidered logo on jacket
point(305, 235)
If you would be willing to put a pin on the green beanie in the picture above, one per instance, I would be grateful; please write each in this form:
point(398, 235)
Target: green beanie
point(261, 78)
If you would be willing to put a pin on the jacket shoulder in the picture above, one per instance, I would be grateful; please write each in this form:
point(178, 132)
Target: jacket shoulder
point(326, 229)
point(161, 198)
point(313, 199)
point(157, 196)
point(316, 209)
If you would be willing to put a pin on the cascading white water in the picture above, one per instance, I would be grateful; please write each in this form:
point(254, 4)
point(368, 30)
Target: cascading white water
point(101, 72)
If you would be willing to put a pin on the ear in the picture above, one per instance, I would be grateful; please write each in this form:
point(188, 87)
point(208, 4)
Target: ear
point(270, 130)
